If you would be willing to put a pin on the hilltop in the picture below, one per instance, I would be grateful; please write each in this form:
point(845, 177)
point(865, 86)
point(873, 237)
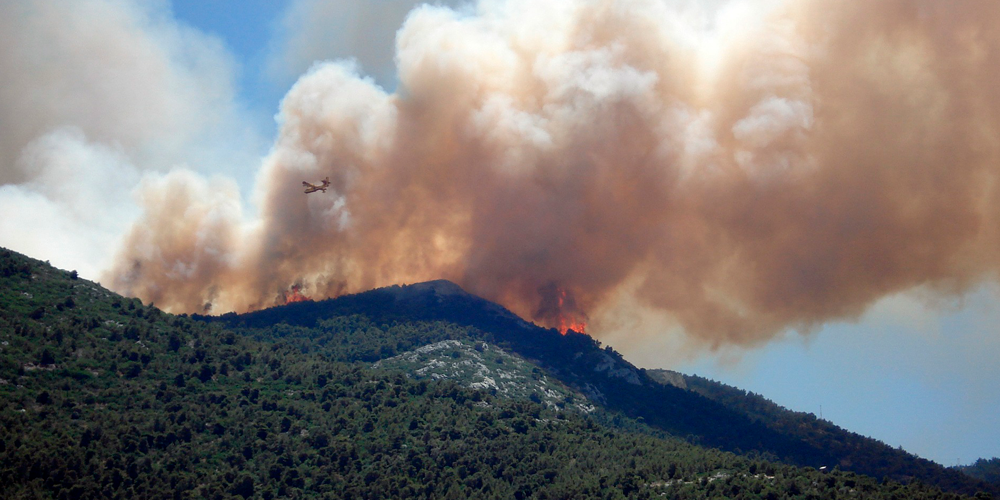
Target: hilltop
point(420, 392)
point(699, 410)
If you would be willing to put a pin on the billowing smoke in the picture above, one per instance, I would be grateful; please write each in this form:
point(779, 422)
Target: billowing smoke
point(93, 95)
point(745, 167)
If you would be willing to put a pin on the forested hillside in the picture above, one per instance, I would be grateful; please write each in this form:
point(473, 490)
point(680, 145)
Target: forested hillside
point(987, 470)
point(701, 411)
point(104, 397)
point(854, 451)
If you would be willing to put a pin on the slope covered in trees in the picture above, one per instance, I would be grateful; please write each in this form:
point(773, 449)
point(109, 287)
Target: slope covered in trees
point(987, 470)
point(103, 397)
point(700, 411)
point(854, 451)
point(577, 360)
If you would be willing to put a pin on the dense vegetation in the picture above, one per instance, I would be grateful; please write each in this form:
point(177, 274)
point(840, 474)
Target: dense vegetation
point(103, 397)
point(853, 451)
point(577, 360)
point(701, 411)
point(987, 470)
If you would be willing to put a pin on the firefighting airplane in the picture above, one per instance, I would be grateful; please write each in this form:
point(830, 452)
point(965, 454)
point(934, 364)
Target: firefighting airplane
point(312, 188)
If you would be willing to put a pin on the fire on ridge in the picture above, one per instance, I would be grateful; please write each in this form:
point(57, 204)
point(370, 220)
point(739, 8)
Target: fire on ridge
point(764, 167)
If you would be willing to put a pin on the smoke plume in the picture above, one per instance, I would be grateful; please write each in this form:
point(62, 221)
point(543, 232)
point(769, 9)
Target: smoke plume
point(95, 94)
point(745, 168)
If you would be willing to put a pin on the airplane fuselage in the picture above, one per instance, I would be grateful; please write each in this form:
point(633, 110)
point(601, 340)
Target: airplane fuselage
point(312, 188)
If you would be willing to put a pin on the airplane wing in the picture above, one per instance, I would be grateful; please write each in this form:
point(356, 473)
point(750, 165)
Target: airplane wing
point(312, 188)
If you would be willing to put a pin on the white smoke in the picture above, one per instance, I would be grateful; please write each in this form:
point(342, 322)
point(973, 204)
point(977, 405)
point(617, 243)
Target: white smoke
point(94, 94)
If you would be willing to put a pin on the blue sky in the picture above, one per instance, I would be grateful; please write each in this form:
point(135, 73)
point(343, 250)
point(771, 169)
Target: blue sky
point(914, 370)
point(905, 374)
point(918, 382)
point(249, 30)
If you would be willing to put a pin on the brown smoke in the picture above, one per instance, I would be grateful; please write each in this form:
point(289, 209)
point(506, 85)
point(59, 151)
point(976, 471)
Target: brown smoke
point(769, 166)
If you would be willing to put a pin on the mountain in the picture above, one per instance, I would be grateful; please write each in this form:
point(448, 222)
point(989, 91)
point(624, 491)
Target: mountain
point(699, 410)
point(577, 360)
point(417, 392)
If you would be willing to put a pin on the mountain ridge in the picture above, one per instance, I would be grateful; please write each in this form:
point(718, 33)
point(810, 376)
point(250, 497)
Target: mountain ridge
point(104, 397)
point(605, 377)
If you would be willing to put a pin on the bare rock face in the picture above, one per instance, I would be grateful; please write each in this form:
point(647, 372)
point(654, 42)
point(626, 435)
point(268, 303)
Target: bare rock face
point(668, 377)
point(613, 369)
point(480, 365)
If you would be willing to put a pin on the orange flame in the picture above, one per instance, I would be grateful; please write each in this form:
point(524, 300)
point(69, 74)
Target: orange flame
point(558, 309)
point(295, 295)
point(567, 323)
